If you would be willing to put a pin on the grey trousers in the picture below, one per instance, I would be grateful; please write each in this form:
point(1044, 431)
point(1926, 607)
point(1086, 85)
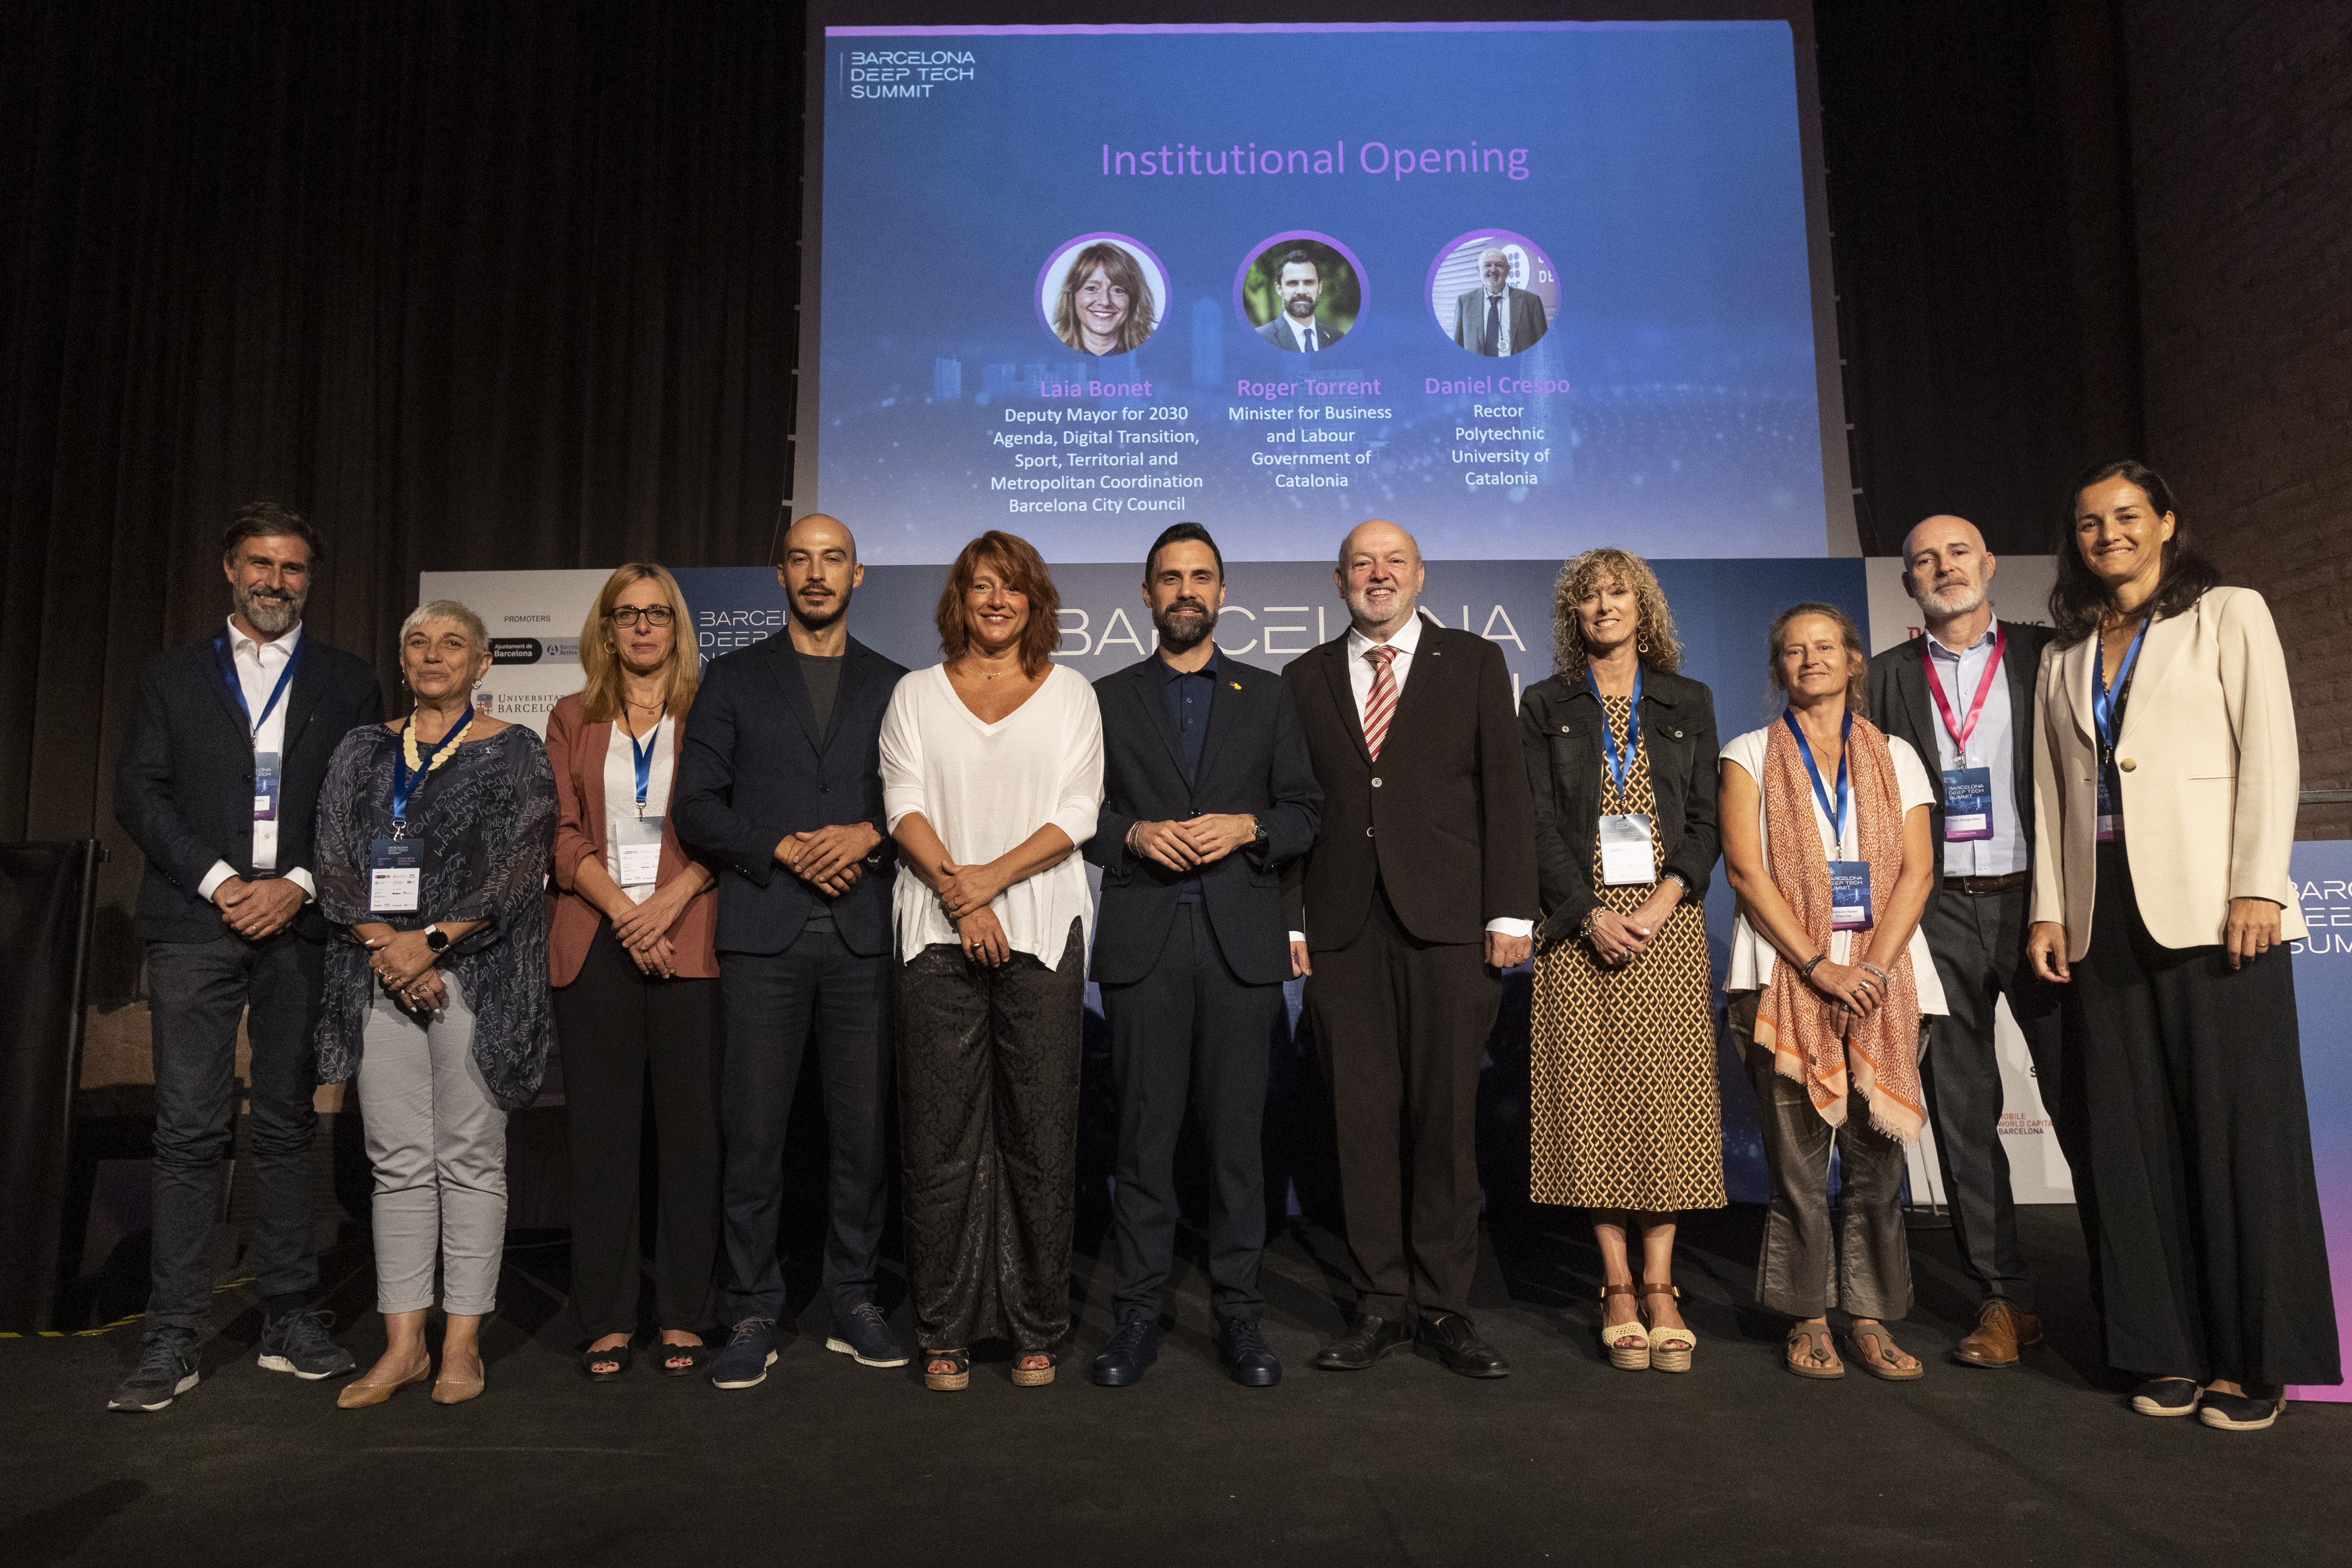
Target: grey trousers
point(438, 1145)
point(1804, 1270)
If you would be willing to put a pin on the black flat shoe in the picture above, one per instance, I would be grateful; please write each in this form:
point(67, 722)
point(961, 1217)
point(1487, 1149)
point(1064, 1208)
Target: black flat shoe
point(666, 1352)
point(2241, 1411)
point(1367, 1342)
point(2167, 1396)
point(589, 1360)
point(1133, 1347)
point(1455, 1339)
point(1247, 1359)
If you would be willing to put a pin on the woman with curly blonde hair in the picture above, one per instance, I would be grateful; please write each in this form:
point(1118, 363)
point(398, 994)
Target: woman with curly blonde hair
point(1620, 753)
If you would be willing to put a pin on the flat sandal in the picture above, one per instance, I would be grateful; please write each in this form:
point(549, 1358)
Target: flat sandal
point(1813, 1341)
point(1889, 1373)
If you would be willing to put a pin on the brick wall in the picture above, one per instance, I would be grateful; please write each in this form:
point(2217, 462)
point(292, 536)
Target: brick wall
point(2241, 140)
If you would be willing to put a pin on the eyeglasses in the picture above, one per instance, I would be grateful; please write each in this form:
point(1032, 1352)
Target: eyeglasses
point(651, 615)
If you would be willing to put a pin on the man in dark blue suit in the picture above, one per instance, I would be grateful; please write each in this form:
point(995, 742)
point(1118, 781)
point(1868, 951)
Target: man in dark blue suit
point(780, 780)
point(1207, 791)
point(218, 784)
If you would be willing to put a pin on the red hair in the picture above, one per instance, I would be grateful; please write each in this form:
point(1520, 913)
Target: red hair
point(1016, 561)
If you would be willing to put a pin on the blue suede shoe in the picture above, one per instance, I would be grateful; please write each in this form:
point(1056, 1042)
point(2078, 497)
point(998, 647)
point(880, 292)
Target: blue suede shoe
point(865, 1335)
point(750, 1353)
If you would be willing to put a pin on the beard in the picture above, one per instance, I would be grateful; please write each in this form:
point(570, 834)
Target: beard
point(816, 620)
point(272, 613)
point(1959, 601)
point(1185, 624)
point(1299, 306)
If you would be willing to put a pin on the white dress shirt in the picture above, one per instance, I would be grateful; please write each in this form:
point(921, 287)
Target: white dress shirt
point(1752, 956)
point(1993, 745)
point(1299, 334)
point(258, 665)
point(1406, 641)
point(984, 789)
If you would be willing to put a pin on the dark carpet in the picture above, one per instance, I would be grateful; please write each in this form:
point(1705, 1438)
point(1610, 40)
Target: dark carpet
point(1567, 1461)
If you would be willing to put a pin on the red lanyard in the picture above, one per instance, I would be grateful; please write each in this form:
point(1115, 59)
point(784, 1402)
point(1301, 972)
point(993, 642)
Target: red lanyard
point(1959, 733)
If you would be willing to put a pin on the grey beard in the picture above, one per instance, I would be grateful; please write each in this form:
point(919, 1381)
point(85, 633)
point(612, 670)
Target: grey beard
point(1180, 635)
point(273, 618)
point(1961, 602)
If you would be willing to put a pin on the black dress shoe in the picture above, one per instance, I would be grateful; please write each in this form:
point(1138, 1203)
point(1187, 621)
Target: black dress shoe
point(1458, 1344)
point(1134, 1346)
point(1249, 1359)
point(1360, 1346)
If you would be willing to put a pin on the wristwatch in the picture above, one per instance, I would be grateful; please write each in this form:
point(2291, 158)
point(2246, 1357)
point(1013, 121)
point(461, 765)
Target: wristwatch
point(436, 939)
point(1258, 832)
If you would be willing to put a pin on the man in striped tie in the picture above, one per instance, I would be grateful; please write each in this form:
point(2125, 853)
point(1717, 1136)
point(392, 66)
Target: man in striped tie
point(1419, 891)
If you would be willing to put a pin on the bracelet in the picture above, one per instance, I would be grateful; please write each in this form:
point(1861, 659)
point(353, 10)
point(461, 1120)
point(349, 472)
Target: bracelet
point(1805, 970)
point(1883, 978)
point(1584, 927)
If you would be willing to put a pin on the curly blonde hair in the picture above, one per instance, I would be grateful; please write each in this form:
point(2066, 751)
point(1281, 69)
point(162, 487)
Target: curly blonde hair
point(1655, 644)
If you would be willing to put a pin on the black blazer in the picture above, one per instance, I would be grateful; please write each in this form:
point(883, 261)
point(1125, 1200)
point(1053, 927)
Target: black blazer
point(184, 782)
point(753, 768)
point(1443, 819)
point(1901, 704)
point(1560, 724)
point(1254, 760)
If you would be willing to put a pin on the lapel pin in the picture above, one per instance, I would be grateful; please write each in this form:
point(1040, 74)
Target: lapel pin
point(1235, 685)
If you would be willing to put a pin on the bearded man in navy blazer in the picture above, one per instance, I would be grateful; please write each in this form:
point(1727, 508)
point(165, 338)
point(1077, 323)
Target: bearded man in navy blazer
point(1419, 891)
point(780, 780)
point(1207, 792)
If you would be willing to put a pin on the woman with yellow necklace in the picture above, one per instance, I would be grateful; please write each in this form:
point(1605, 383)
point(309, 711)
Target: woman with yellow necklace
point(433, 839)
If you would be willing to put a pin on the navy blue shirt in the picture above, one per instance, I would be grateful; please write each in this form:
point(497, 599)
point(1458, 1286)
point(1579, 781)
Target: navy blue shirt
point(1189, 693)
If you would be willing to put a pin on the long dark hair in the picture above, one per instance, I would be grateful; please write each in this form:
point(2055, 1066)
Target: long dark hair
point(2079, 601)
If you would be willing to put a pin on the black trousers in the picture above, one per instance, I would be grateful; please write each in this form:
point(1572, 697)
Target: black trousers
point(988, 1130)
point(1979, 944)
point(775, 1003)
point(199, 990)
point(2209, 1256)
point(1401, 1027)
point(1190, 1031)
point(616, 1022)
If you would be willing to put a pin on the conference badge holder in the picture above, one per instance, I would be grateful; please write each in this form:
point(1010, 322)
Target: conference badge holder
point(1967, 804)
point(395, 875)
point(1850, 894)
point(1628, 858)
point(636, 852)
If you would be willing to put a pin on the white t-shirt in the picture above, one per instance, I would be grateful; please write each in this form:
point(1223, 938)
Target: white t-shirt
point(985, 788)
point(621, 794)
point(1752, 957)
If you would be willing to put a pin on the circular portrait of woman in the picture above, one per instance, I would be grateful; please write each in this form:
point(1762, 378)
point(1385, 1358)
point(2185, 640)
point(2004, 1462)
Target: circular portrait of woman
point(1301, 291)
point(1494, 293)
point(1103, 294)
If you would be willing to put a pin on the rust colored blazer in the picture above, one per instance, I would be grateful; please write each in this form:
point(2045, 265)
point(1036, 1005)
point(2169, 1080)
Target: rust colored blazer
point(577, 749)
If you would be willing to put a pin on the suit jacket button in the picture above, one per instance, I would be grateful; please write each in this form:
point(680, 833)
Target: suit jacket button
point(1368, 833)
point(1678, 734)
point(1566, 731)
point(1376, 784)
point(2127, 765)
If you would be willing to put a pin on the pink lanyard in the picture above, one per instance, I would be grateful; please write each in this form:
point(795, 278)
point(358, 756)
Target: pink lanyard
point(1958, 731)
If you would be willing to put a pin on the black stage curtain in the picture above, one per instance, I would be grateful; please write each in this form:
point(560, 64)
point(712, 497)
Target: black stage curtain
point(470, 285)
point(45, 906)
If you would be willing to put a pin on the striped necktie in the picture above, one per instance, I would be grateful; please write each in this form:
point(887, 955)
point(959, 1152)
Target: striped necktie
point(1381, 706)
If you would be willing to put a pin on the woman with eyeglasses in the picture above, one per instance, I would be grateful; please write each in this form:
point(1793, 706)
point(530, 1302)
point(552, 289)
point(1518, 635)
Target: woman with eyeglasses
point(631, 956)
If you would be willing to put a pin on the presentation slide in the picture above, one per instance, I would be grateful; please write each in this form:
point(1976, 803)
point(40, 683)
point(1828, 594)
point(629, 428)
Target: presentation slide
point(1524, 287)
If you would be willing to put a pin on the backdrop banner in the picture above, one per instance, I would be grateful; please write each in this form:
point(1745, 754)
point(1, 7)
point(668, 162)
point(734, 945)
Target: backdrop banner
point(2323, 995)
point(1274, 612)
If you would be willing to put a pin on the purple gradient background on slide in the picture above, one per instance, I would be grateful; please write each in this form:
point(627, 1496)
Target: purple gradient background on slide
point(2323, 999)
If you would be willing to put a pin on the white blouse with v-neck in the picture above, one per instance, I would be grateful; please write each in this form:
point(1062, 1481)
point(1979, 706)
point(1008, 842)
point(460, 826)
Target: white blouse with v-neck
point(985, 788)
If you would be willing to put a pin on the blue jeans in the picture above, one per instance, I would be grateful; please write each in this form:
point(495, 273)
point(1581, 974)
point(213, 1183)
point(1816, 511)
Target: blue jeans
point(198, 991)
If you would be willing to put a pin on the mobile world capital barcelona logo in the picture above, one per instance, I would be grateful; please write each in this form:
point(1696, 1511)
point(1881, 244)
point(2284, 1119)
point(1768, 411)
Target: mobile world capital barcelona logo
point(901, 73)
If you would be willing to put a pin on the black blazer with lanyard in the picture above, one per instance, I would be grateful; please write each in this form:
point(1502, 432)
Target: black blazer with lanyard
point(1252, 760)
point(1901, 704)
point(183, 785)
point(754, 768)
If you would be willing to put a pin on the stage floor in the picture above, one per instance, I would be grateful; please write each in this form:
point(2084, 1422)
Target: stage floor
point(1568, 1461)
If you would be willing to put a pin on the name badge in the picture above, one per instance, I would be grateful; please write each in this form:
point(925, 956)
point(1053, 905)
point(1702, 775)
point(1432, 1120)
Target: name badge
point(2106, 809)
point(1967, 804)
point(1627, 858)
point(1850, 894)
point(395, 875)
point(267, 785)
point(636, 854)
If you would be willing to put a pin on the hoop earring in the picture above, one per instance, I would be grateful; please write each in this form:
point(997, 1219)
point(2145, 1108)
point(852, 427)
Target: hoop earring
point(1641, 645)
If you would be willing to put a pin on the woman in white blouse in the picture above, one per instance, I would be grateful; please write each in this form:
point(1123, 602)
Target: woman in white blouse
point(1825, 840)
point(992, 775)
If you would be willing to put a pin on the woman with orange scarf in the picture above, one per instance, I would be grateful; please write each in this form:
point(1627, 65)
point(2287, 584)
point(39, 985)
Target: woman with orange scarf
point(1825, 841)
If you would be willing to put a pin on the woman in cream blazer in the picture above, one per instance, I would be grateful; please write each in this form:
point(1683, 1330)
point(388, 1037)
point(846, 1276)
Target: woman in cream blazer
point(2165, 794)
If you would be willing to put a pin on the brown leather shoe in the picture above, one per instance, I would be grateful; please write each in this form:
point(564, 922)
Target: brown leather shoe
point(2000, 1332)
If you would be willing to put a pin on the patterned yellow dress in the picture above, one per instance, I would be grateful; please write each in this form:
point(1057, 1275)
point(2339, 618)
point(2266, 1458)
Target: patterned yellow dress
point(1626, 1113)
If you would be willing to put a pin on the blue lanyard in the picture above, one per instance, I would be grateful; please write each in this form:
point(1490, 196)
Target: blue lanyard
point(1836, 815)
point(2103, 702)
point(643, 753)
point(236, 685)
point(403, 782)
point(1620, 768)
